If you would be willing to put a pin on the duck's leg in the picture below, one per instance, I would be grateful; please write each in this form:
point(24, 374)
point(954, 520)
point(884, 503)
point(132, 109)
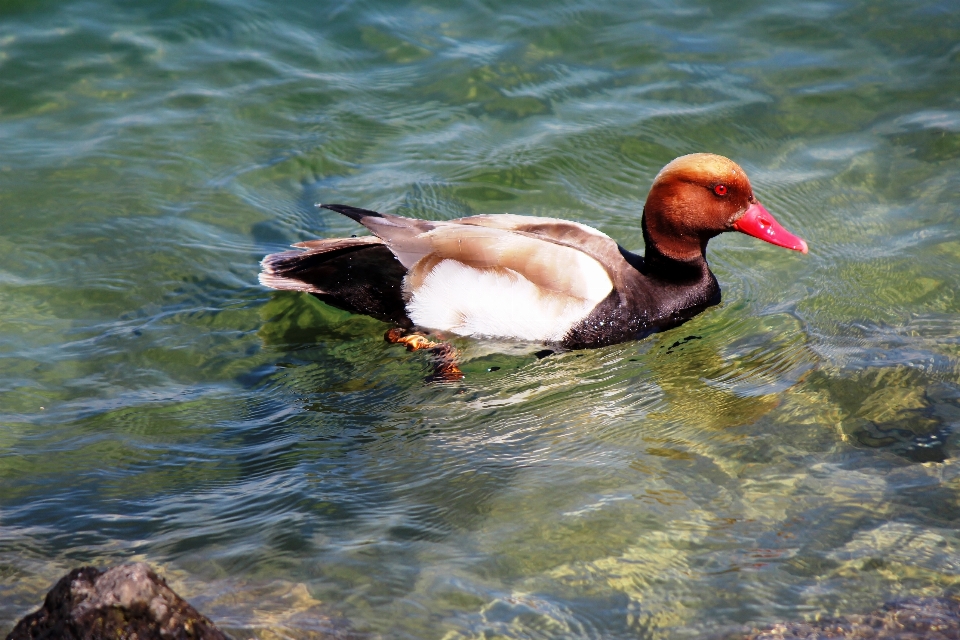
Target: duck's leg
point(413, 341)
point(445, 355)
point(445, 367)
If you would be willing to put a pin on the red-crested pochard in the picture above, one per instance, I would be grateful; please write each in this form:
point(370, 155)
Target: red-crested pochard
point(538, 279)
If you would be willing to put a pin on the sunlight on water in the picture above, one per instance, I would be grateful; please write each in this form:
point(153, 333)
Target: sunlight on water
point(785, 455)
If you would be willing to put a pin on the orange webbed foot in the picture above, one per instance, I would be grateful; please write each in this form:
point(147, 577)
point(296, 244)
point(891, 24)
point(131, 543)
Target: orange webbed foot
point(445, 367)
point(413, 341)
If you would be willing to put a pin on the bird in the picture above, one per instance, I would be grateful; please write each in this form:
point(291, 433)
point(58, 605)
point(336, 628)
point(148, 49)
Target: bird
point(536, 279)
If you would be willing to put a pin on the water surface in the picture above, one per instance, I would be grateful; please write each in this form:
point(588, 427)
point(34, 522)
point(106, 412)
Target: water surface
point(787, 454)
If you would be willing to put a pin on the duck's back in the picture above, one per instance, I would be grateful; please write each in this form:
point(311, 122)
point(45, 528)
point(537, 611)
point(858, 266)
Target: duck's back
point(504, 276)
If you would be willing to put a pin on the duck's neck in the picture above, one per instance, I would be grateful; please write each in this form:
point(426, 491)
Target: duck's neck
point(689, 264)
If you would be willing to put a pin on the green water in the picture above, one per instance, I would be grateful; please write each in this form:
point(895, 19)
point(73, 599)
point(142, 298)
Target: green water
point(288, 470)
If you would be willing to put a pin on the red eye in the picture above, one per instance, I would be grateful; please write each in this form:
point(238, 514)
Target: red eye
point(720, 189)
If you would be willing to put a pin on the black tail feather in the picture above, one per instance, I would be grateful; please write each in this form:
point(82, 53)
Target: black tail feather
point(354, 213)
point(360, 277)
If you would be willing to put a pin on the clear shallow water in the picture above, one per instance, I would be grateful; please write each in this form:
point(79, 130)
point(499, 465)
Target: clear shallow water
point(280, 463)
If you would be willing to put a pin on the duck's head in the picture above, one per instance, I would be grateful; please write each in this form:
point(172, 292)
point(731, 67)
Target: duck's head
point(699, 196)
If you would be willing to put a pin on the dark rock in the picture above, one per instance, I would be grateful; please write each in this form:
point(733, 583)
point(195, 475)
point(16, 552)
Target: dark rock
point(909, 619)
point(128, 602)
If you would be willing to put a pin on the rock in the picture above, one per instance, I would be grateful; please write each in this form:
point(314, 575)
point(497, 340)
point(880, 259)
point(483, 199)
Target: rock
point(128, 602)
point(908, 619)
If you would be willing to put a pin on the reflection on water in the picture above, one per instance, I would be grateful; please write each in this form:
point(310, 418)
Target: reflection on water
point(787, 454)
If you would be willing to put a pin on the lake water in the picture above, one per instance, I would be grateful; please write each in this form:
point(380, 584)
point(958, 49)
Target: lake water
point(785, 455)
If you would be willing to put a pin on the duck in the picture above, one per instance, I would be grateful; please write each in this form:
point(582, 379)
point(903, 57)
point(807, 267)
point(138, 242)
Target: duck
point(537, 279)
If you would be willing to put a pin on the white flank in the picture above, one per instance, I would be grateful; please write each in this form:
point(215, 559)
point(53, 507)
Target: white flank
point(499, 302)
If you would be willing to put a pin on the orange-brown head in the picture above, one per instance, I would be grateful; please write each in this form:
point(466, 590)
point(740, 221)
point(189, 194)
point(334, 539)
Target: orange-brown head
point(701, 195)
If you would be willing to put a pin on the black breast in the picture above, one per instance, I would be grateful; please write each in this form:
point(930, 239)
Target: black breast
point(648, 296)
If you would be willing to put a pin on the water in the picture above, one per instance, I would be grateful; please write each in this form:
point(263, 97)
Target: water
point(289, 471)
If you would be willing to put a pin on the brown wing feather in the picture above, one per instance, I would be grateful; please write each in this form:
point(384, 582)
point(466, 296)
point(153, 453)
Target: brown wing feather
point(324, 245)
point(557, 255)
point(550, 266)
point(404, 236)
point(590, 241)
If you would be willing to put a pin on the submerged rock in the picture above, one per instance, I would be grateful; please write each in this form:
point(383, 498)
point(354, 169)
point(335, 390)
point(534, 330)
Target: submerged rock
point(126, 602)
point(909, 619)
